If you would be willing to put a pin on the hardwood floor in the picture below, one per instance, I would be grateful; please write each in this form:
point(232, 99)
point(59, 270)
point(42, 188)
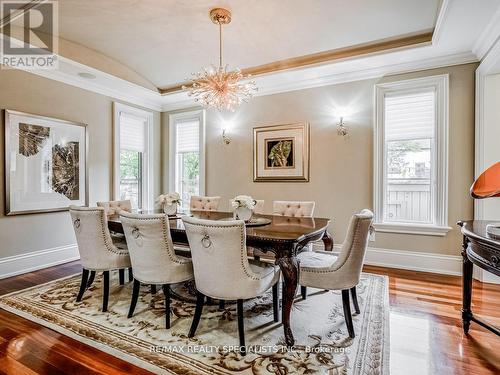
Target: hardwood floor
point(426, 333)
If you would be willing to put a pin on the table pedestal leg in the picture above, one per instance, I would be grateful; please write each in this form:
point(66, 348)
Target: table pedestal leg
point(328, 241)
point(290, 270)
point(466, 288)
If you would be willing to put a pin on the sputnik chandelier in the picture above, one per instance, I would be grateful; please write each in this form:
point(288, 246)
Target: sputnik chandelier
point(218, 87)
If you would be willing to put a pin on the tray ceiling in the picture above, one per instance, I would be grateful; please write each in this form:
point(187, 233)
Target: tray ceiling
point(166, 41)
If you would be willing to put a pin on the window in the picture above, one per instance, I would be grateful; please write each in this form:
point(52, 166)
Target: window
point(187, 156)
point(411, 156)
point(133, 153)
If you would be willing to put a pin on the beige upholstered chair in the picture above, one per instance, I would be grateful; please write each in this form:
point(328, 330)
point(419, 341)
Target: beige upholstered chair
point(199, 203)
point(326, 270)
point(286, 208)
point(152, 255)
point(222, 270)
point(115, 207)
point(293, 208)
point(259, 206)
point(96, 248)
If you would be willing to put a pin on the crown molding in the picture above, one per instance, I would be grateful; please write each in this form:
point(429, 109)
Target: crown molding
point(275, 84)
point(104, 84)
point(489, 36)
point(328, 57)
point(441, 18)
point(283, 81)
point(117, 88)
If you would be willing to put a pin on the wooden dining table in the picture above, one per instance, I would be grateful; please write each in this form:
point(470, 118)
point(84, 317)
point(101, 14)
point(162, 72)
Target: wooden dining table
point(284, 236)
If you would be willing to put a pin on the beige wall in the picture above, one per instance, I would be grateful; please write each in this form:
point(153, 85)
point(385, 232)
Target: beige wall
point(26, 92)
point(341, 170)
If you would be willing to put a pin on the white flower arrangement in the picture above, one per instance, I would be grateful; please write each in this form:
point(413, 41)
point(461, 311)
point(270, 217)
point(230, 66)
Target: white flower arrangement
point(243, 201)
point(169, 199)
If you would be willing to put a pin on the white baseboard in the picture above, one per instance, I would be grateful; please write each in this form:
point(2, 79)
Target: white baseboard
point(419, 261)
point(19, 264)
point(415, 261)
point(411, 260)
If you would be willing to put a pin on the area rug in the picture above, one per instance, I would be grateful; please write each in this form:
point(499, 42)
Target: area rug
point(322, 343)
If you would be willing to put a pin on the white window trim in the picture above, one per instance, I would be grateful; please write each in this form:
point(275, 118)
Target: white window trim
point(172, 119)
point(441, 85)
point(147, 173)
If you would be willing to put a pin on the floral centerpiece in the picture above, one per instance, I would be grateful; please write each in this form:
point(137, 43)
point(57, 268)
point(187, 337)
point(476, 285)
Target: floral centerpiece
point(169, 203)
point(243, 206)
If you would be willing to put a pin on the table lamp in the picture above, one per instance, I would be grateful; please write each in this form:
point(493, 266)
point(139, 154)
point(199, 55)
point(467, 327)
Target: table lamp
point(487, 185)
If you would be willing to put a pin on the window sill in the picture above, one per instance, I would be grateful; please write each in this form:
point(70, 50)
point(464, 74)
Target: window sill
point(419, 229)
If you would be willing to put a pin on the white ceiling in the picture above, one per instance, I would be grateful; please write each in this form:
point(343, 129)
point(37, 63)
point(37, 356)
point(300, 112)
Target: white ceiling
point(165, 41)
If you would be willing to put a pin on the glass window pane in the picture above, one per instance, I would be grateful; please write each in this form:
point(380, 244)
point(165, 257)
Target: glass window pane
point(408, 196)
point(188, 176)
point(131, 177)
point(187, 158)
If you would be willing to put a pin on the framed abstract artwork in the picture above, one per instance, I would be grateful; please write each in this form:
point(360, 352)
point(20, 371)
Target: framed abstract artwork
point(281, 153)
point(45, 164)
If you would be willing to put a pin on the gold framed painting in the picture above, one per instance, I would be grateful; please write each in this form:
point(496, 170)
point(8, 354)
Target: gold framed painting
point(281, 153)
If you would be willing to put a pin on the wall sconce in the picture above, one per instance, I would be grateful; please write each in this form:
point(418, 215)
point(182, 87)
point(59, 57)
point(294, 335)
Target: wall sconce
point(225, 139)
point(342, 129)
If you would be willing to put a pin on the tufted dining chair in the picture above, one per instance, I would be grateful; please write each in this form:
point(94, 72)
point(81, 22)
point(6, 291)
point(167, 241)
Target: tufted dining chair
point(115, 207)
point(96, 248)
point(152, 256)
point(199, 203)
point(221, 246)
point(326, 270)
point(296, 209)
point(293, 208)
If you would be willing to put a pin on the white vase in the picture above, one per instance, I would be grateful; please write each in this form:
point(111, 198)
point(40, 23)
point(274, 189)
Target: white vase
point(243, 213)
point(170, 209)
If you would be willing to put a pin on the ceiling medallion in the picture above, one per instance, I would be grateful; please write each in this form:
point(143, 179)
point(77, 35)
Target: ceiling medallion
point(218, 87)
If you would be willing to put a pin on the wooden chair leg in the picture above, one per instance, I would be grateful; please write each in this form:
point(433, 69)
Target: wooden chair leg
point(303, 292)
point(105, 291)
point(276, 302)
point(166, 292)
point(200, 300)
point(91, 279)
point(355, 299)
point(347, 312)
point(130, 274)
point(241, 327)
point(121, 274)
point(135, 297)
point(222, 304)
point(153, 289)
point(83, 284)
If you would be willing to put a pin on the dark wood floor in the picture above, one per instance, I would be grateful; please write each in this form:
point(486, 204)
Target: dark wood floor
point(426, 335)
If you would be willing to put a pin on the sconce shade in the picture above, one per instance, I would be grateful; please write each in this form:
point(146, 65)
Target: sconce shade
point(487, 184)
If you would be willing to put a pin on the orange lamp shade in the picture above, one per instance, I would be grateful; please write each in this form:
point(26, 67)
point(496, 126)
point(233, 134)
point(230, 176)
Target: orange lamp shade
point(487, 184)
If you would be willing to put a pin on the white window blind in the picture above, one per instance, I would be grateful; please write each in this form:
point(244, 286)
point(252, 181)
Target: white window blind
point(410, 116)
point(411, 156)
point(188, 136)
point(132, 132)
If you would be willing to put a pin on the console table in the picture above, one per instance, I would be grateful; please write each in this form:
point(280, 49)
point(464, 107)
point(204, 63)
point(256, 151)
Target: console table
point(483, 251)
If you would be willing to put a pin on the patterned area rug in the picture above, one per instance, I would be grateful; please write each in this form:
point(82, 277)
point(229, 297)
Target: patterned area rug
point(322, 344)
